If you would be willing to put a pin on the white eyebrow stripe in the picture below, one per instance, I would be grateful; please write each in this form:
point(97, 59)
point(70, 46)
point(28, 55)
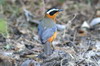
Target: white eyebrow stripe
point(52, 10)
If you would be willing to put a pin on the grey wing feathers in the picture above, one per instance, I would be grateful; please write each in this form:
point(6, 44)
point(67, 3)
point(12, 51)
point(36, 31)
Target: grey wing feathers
point(45, 34)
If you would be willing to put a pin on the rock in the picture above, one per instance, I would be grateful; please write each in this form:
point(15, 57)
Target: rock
point(95, 21)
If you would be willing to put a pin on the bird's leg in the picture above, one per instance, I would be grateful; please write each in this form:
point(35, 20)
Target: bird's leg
point(52, 46)
point(47, 48)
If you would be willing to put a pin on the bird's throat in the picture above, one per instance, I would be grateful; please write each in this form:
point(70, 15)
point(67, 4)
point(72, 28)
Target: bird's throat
point(52, 17)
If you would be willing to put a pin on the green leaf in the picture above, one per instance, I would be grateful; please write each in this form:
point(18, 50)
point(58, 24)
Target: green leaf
point(62, 1)
point(89, 1)
point(2, 2)
point(8, 46)
point(3, 28)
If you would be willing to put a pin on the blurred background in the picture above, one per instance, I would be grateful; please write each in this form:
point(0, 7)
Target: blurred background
point(19, 20)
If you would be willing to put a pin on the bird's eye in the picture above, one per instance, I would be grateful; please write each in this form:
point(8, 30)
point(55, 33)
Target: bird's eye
point(53, 12)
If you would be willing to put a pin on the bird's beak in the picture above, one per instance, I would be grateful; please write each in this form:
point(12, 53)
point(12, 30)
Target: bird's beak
point(60, 10)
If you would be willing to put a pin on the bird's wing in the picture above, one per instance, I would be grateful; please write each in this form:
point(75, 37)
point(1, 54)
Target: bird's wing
point(46, 33)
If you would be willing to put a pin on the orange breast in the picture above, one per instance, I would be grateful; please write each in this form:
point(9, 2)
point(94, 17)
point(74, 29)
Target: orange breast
point(52, 37)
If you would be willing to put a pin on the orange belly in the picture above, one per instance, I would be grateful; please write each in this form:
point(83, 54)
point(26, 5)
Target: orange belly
point(52, 37)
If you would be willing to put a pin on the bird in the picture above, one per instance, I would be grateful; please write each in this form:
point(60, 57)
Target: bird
point(47, 29)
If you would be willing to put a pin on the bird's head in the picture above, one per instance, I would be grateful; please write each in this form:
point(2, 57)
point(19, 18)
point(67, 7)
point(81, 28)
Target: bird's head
point(53, 12)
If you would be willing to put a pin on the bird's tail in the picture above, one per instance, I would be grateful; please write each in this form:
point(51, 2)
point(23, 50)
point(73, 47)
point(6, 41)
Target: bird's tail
point(48, 50)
